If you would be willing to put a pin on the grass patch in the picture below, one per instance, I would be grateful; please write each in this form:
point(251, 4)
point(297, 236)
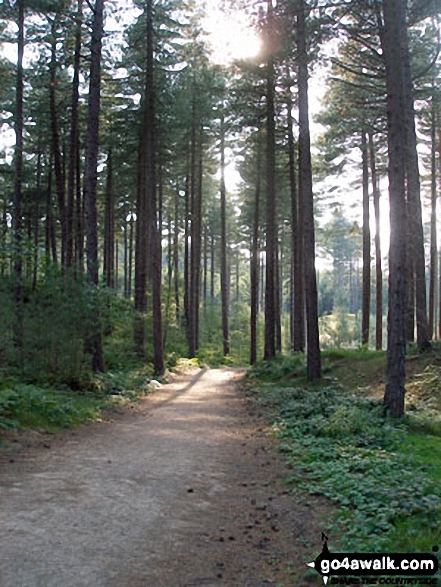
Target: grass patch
point(27, 406)
point(49, 408)
point(384, 476)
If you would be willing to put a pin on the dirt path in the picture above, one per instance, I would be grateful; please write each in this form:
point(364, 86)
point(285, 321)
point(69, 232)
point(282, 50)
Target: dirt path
point(182, 491)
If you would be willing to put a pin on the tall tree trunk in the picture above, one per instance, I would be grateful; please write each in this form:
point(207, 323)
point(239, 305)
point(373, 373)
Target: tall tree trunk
point(223, 260)
point(255, 261)
point(51, 243)
point(366, 297)
point(439, 283)
point(187, 256)
point(37, 218)
point(278, 272)
point(271, 201)
point(212, 251)
point(56, 149)
point(129, 277)
point(94, 343)
point(433, 239)
point(79, 217)
point(378, 262)
point(17, 220)
point(176, 257)
point(198, 240)
point(151, 199)
point(205, 272)
point(109, 228)
point(74, 139)
point(394, 22)
point(126, 257)
point(305, 184)
point(413, 186)
point(4, 263)
point(297, 314)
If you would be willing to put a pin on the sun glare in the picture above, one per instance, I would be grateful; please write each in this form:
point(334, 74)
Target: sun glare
point(230, 36)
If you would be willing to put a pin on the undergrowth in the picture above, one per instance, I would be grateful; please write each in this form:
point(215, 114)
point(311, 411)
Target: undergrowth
point(50, 408)
point(383, 475)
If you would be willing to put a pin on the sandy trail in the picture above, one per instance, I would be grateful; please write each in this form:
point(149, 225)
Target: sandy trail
point(183, 491)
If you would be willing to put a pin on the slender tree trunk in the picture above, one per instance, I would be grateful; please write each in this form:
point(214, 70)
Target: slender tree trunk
point(116, 271)
point(109, 228)
point(187, 257)
point(37, 219)
point(307, 199)
point(212, 251)
point(169, 279)
point(271, 201)
point(205, 272)
point(56, 149)
point(51, 243)
point(198, 240)
point(410, 279)
point(278, 284)
point(255, 261)
point(94, 343)
point(378, 262)
point(4, 263)
point(297, 281)
point(366, 298)
point(130, 279)
point(413, 186)
point(79, 217)
point(126, 257)
point(439, 283)
point(74, 136)
point(394, 21)
point(151, 199)
point(18, 331)
point(433, 239)
point(176, 258)
point(223, 261)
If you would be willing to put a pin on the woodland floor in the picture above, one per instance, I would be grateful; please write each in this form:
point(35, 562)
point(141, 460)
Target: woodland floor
point(183, 490)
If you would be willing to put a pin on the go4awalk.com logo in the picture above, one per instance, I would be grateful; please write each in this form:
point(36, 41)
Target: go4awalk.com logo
point(374, 568)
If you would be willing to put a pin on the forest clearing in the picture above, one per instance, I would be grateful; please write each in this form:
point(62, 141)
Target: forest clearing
point(220, 290)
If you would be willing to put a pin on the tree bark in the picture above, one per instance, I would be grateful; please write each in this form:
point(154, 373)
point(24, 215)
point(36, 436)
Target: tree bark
point(271, 201)
point(378, 262)
point(297, 314)
point(414, 195)
point(56, 149)
point(255, 262)
point(152, 204)
point(176, 257)
point(305, 183)
point(366, 297)
point(223, 260)
point(95, 342)
point(109, 228)
point(18, 331)
point(433, 236)
point(394, 22)
point(74, 140)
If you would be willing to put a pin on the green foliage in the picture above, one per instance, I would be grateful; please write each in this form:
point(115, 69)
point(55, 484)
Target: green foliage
point(341, 446)
point(338, 329)
point(23, 406)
